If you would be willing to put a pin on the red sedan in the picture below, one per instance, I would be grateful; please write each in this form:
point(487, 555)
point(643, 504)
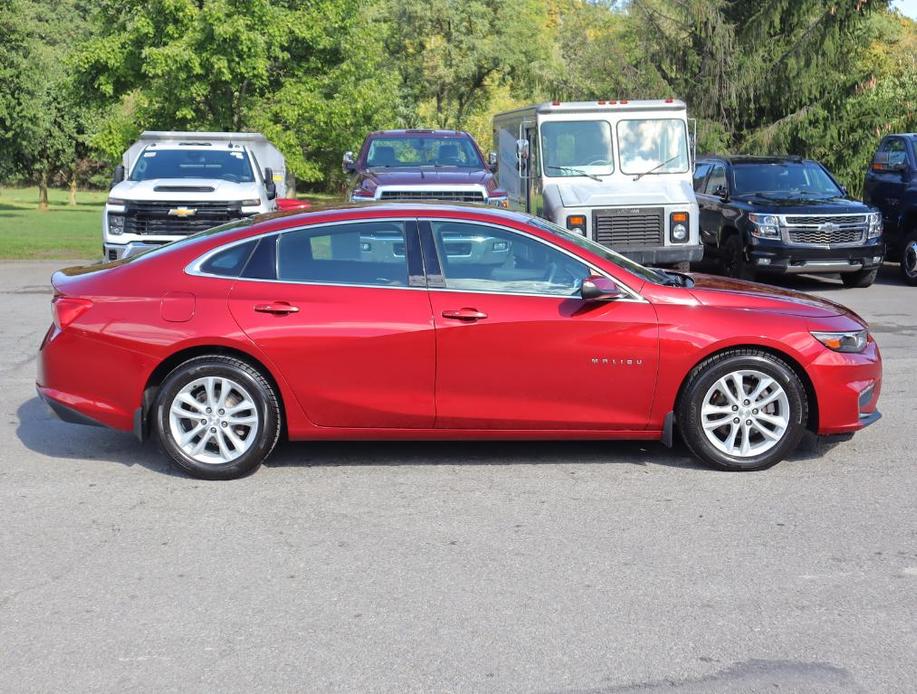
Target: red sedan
point(437, 322)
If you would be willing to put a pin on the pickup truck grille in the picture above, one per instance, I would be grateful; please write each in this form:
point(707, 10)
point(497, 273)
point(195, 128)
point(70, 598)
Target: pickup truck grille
point(826, 230)
point(449, 195)
point(629, 227)
point(154, 218)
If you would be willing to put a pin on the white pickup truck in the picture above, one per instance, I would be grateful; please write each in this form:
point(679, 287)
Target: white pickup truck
point(171, 184)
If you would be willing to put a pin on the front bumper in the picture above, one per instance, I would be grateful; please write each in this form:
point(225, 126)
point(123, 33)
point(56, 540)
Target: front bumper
point(848, 388)
point(663, 255)
point(775, 256)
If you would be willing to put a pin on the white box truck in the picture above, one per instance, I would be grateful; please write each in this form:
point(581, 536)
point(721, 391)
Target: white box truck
point(618, 172)
point(171, 184)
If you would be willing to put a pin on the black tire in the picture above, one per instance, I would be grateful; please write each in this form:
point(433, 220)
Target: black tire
point(267, 408)
point(909, 259)
point(859, 279)
point(706, 374)
point(732, 259)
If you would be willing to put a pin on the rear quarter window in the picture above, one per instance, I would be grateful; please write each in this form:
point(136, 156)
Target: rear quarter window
point(229, 262)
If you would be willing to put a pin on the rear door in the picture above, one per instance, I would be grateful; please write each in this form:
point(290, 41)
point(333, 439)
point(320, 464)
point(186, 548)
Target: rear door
point(342, 311)
point(517, 348)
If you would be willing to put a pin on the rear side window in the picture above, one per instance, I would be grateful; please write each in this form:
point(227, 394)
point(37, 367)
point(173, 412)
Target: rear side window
point(229, 262)
point(369, 253)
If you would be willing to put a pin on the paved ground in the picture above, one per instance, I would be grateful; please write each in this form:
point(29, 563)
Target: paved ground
point(441, 567)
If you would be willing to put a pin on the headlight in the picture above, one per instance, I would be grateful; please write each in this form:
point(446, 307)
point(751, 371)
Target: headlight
point(498, 201)
point(847, 341)
point(361, 195)
point(678, 227)
point(577, 224)
point(875, 224)
point(115, 224)
point(116, 201)
point(765, 226)
point(254, 202)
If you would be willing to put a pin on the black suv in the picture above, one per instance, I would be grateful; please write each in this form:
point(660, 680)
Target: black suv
point(785, 215)
point(891, 185)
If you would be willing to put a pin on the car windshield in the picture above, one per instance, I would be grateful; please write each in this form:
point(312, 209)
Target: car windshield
point(783, 179)
point(604, 253)
point(653, 146)
point(388, 152)
point(226, 165)
point(577, 148)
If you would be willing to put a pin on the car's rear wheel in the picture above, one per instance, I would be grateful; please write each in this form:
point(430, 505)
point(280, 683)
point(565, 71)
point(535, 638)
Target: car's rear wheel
point(909, 259)
point(217, 417)
point(859, 279)
point(744, 409)
point(732, 260)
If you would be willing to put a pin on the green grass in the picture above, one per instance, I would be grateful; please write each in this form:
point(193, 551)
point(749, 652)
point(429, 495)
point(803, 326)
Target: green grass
point(64, 231)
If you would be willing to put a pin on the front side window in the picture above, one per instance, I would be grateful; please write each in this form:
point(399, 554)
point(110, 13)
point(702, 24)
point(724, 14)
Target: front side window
point(653, 146)
point(226, 165)
point(422, 151)
point(477, 257)
point(367, 253)
point(716, 180)
point(700, 173)
point(577, 148)
point(783, 179)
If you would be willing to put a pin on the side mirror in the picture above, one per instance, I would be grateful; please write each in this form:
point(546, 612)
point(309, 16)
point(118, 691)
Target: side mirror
point(348, 164)
point(118, 175)
point(269, 184)
point(492, 161)
point(721, 192)
point(600, 289)
point(844, 191)
point(522, 151)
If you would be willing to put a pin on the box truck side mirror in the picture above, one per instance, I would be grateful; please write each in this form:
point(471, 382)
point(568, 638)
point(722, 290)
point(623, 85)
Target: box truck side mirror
point(492, 161)
point(118, 175)
point(269, 186)
point(347, 164)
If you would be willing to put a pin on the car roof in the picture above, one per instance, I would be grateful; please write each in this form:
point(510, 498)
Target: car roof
point(749, 159)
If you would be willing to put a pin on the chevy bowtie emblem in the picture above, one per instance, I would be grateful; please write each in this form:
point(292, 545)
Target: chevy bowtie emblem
point(182, 212)
point(828, 227)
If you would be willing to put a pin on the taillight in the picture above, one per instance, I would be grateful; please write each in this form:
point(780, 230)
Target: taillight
point(67, 309)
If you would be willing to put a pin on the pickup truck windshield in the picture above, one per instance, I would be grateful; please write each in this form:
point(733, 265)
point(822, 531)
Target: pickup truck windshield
point(653, 146)
point(422, 151)
point(193, 163)
point(577, 148)
point(783, 179)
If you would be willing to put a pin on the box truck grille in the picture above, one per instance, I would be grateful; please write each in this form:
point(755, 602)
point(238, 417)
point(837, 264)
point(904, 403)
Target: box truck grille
point(177, 218)
point(629, 227)
point(449, 195)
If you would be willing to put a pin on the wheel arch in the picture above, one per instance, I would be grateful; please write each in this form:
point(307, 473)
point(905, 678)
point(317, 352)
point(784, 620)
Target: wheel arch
point(791, 361)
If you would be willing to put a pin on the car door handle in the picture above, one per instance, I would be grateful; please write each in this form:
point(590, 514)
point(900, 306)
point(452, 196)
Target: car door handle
point(277, 308)
point(465, 314)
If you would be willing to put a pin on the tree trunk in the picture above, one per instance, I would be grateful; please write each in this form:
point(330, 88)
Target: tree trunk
point(43, 190)
point(72, 200)
point(291, 186)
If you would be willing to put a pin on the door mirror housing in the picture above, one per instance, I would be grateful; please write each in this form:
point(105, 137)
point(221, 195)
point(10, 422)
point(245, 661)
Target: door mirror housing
point(347, 163)
point(118, 175)
point(600, 289)
point(522, 153)
point(492, 161)
point(269, 186)
point(721, 192)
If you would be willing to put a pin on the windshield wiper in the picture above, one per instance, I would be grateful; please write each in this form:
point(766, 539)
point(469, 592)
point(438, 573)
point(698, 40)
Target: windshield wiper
point(657, 167)
point(578, 172)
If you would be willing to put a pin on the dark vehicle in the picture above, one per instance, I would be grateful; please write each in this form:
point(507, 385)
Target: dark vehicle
point(784, 215)
point(422, 165)
point(891, 186)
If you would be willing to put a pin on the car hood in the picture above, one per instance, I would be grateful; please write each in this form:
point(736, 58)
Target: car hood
point(808, 206)
point(725, 292)
point(426, 177)
point(584, 192)
point(179, 189)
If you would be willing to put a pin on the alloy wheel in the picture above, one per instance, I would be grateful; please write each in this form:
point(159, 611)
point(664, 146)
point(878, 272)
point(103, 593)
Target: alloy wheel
point(745, 413)
point(213, 420)
point(910, 259)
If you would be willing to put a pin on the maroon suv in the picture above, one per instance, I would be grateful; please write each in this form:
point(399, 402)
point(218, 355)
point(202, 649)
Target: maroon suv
point(422, 165)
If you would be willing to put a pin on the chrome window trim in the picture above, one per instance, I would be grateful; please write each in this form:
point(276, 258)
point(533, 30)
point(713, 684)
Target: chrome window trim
point(193, 268)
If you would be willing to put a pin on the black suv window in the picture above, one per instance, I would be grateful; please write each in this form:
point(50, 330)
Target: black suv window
point(894, 151)
point(717, 179)
point(367, 253)
point(700, 173)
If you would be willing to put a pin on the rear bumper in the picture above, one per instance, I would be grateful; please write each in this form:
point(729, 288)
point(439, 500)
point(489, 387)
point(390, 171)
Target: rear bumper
point(662, 255)
point(64, 412)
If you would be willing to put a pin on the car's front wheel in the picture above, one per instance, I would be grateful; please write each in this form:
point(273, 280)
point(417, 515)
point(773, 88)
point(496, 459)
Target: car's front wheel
point(744, 409)
point(733, 262)
point(217, 417)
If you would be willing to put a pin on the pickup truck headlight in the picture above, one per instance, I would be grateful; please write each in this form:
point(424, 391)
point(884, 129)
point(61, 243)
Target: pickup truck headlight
point(846, 341)
point(875, 224)
point(115, 224)
point(498, 199)
point(254, 202)
point(765, 226)
point(362, 195)
point(117, 201)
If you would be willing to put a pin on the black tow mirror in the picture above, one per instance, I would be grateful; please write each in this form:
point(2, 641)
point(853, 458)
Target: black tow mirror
point(492, 161)
point(348, 164)
point(269, 186)
point(600, 289)
point(118, 175)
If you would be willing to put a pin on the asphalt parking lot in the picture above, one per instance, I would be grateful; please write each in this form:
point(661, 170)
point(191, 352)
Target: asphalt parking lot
point(559, 567)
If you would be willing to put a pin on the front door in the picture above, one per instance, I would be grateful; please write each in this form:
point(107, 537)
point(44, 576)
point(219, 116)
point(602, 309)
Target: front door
point(342, 312)
point(517, 348)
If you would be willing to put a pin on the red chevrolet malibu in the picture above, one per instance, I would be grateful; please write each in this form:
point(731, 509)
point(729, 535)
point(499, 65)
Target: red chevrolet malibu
point(402, 321)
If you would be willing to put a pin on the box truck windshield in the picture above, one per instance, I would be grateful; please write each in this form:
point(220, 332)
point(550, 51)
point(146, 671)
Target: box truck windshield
point(653, 145)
